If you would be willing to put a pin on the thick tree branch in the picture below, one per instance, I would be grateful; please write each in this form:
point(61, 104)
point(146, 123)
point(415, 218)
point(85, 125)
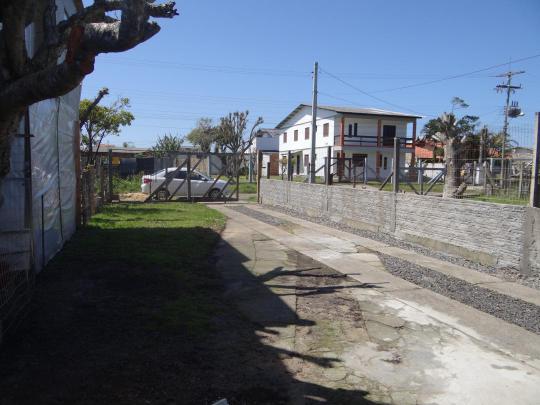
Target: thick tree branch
point(86, 40)
point(14, 38)
point(48, 83)
point(84, 116)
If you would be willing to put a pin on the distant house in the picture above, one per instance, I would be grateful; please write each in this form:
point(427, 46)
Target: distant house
point(521, 153)
point(361, 134)
point(429, 150)
point(120, 152)
point(266, 141)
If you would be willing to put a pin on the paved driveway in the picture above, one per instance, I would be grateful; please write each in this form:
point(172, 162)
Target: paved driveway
point(349, 330)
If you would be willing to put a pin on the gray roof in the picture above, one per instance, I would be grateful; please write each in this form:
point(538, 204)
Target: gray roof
point(352, 111)
point(269, 131)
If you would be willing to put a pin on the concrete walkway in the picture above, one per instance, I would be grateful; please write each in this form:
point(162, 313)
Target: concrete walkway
point(349, 330)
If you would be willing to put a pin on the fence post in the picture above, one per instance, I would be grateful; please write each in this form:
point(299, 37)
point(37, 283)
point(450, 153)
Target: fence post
point(328, 167)
point(237, 179)
point(395, 183)
point(268, 167)
point(259, 173)
point(365, 170)
point(110, 177)
point(535, 176)
point(188, 175)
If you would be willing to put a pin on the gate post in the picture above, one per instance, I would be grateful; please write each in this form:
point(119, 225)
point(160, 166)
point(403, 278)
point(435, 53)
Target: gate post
point(110, 177)
point(289, 166)
point(328, 167)
point(395, 183)
point(535, 176)
point(259, 172)
point(188, 176)
point(365, 170)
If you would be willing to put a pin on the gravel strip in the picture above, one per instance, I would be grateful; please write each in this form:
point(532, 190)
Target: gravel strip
point(505, 273)
point(261, 216)
point(502, 306)
point(509, 309)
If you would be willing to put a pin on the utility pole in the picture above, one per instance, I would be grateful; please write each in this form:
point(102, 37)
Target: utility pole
point(483, 138)
point(314, 123)
point(509, 89)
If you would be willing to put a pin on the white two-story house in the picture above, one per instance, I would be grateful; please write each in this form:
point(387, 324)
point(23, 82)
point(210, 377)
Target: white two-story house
point(358, 134)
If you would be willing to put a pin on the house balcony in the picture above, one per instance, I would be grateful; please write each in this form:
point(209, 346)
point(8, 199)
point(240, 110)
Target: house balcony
point(372, 141)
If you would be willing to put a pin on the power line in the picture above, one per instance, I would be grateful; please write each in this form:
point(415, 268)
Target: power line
point(458, 75)
point(368, 94)
point(207, 68)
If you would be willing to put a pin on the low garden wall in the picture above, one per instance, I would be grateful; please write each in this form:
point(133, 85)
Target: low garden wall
point(487, 233)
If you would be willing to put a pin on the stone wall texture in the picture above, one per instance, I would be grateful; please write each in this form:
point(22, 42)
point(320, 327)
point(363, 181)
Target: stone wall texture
point(491, 234)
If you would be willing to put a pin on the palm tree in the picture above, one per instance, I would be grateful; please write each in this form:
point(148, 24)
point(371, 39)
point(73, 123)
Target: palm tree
point(451, 132)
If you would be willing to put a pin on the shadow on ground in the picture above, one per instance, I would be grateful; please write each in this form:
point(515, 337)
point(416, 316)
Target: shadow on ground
point(114, 324)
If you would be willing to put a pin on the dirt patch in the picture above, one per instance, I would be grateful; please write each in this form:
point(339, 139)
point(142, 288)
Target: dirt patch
point(133, 197)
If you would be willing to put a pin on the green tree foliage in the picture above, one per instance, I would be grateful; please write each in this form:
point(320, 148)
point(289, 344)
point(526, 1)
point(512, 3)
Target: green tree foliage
point(452, 132)
point(102, 121)
point(204, 135)
point(167, 145)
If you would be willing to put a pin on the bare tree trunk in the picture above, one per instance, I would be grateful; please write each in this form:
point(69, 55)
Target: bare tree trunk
point(452, 178)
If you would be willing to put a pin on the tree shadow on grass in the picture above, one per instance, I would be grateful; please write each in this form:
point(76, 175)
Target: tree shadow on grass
point(140, 315)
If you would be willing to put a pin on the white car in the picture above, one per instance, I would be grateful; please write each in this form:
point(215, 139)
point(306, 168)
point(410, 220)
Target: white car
point(200, 184)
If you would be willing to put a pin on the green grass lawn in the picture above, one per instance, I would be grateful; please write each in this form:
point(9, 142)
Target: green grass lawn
point(501, 200)
point(246, 187)
point(437, 188)
point(160, 253)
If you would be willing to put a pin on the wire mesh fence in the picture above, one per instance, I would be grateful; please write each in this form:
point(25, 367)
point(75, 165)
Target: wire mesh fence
point(16, 277)
point(491, 166)
point(180, 175)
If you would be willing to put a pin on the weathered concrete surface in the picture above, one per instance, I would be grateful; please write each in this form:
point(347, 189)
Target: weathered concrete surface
point(400, 343)
point(347, 241)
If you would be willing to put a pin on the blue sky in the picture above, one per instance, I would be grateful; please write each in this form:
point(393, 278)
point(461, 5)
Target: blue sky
point(221, 56)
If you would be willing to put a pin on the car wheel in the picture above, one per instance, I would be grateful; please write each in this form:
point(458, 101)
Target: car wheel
point(214, 194)
point(163, 195)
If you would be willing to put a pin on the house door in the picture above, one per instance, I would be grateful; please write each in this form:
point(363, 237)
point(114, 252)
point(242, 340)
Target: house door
point(298, 162)
point(389, 133)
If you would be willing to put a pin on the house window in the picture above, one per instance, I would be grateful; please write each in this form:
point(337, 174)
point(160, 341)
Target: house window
point(380, 161)
point(306, 134)
point(295, 134)
point(385, 165)
point(355, 129)
point(285, 137)
point(350, 130)
point(389, 133)
point(306, 161)
point(326, 129)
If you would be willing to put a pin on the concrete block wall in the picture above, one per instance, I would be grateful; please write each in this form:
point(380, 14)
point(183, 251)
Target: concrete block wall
point(491, 234)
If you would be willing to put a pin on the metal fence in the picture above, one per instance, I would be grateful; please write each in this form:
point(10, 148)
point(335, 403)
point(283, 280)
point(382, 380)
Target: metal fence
point(474, 168)
point(178, 176)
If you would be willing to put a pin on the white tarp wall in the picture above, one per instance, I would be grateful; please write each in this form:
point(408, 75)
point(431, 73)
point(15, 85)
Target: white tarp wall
point(54, 126)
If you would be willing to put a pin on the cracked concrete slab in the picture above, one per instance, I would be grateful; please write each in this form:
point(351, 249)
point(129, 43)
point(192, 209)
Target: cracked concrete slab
point(370, 331)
